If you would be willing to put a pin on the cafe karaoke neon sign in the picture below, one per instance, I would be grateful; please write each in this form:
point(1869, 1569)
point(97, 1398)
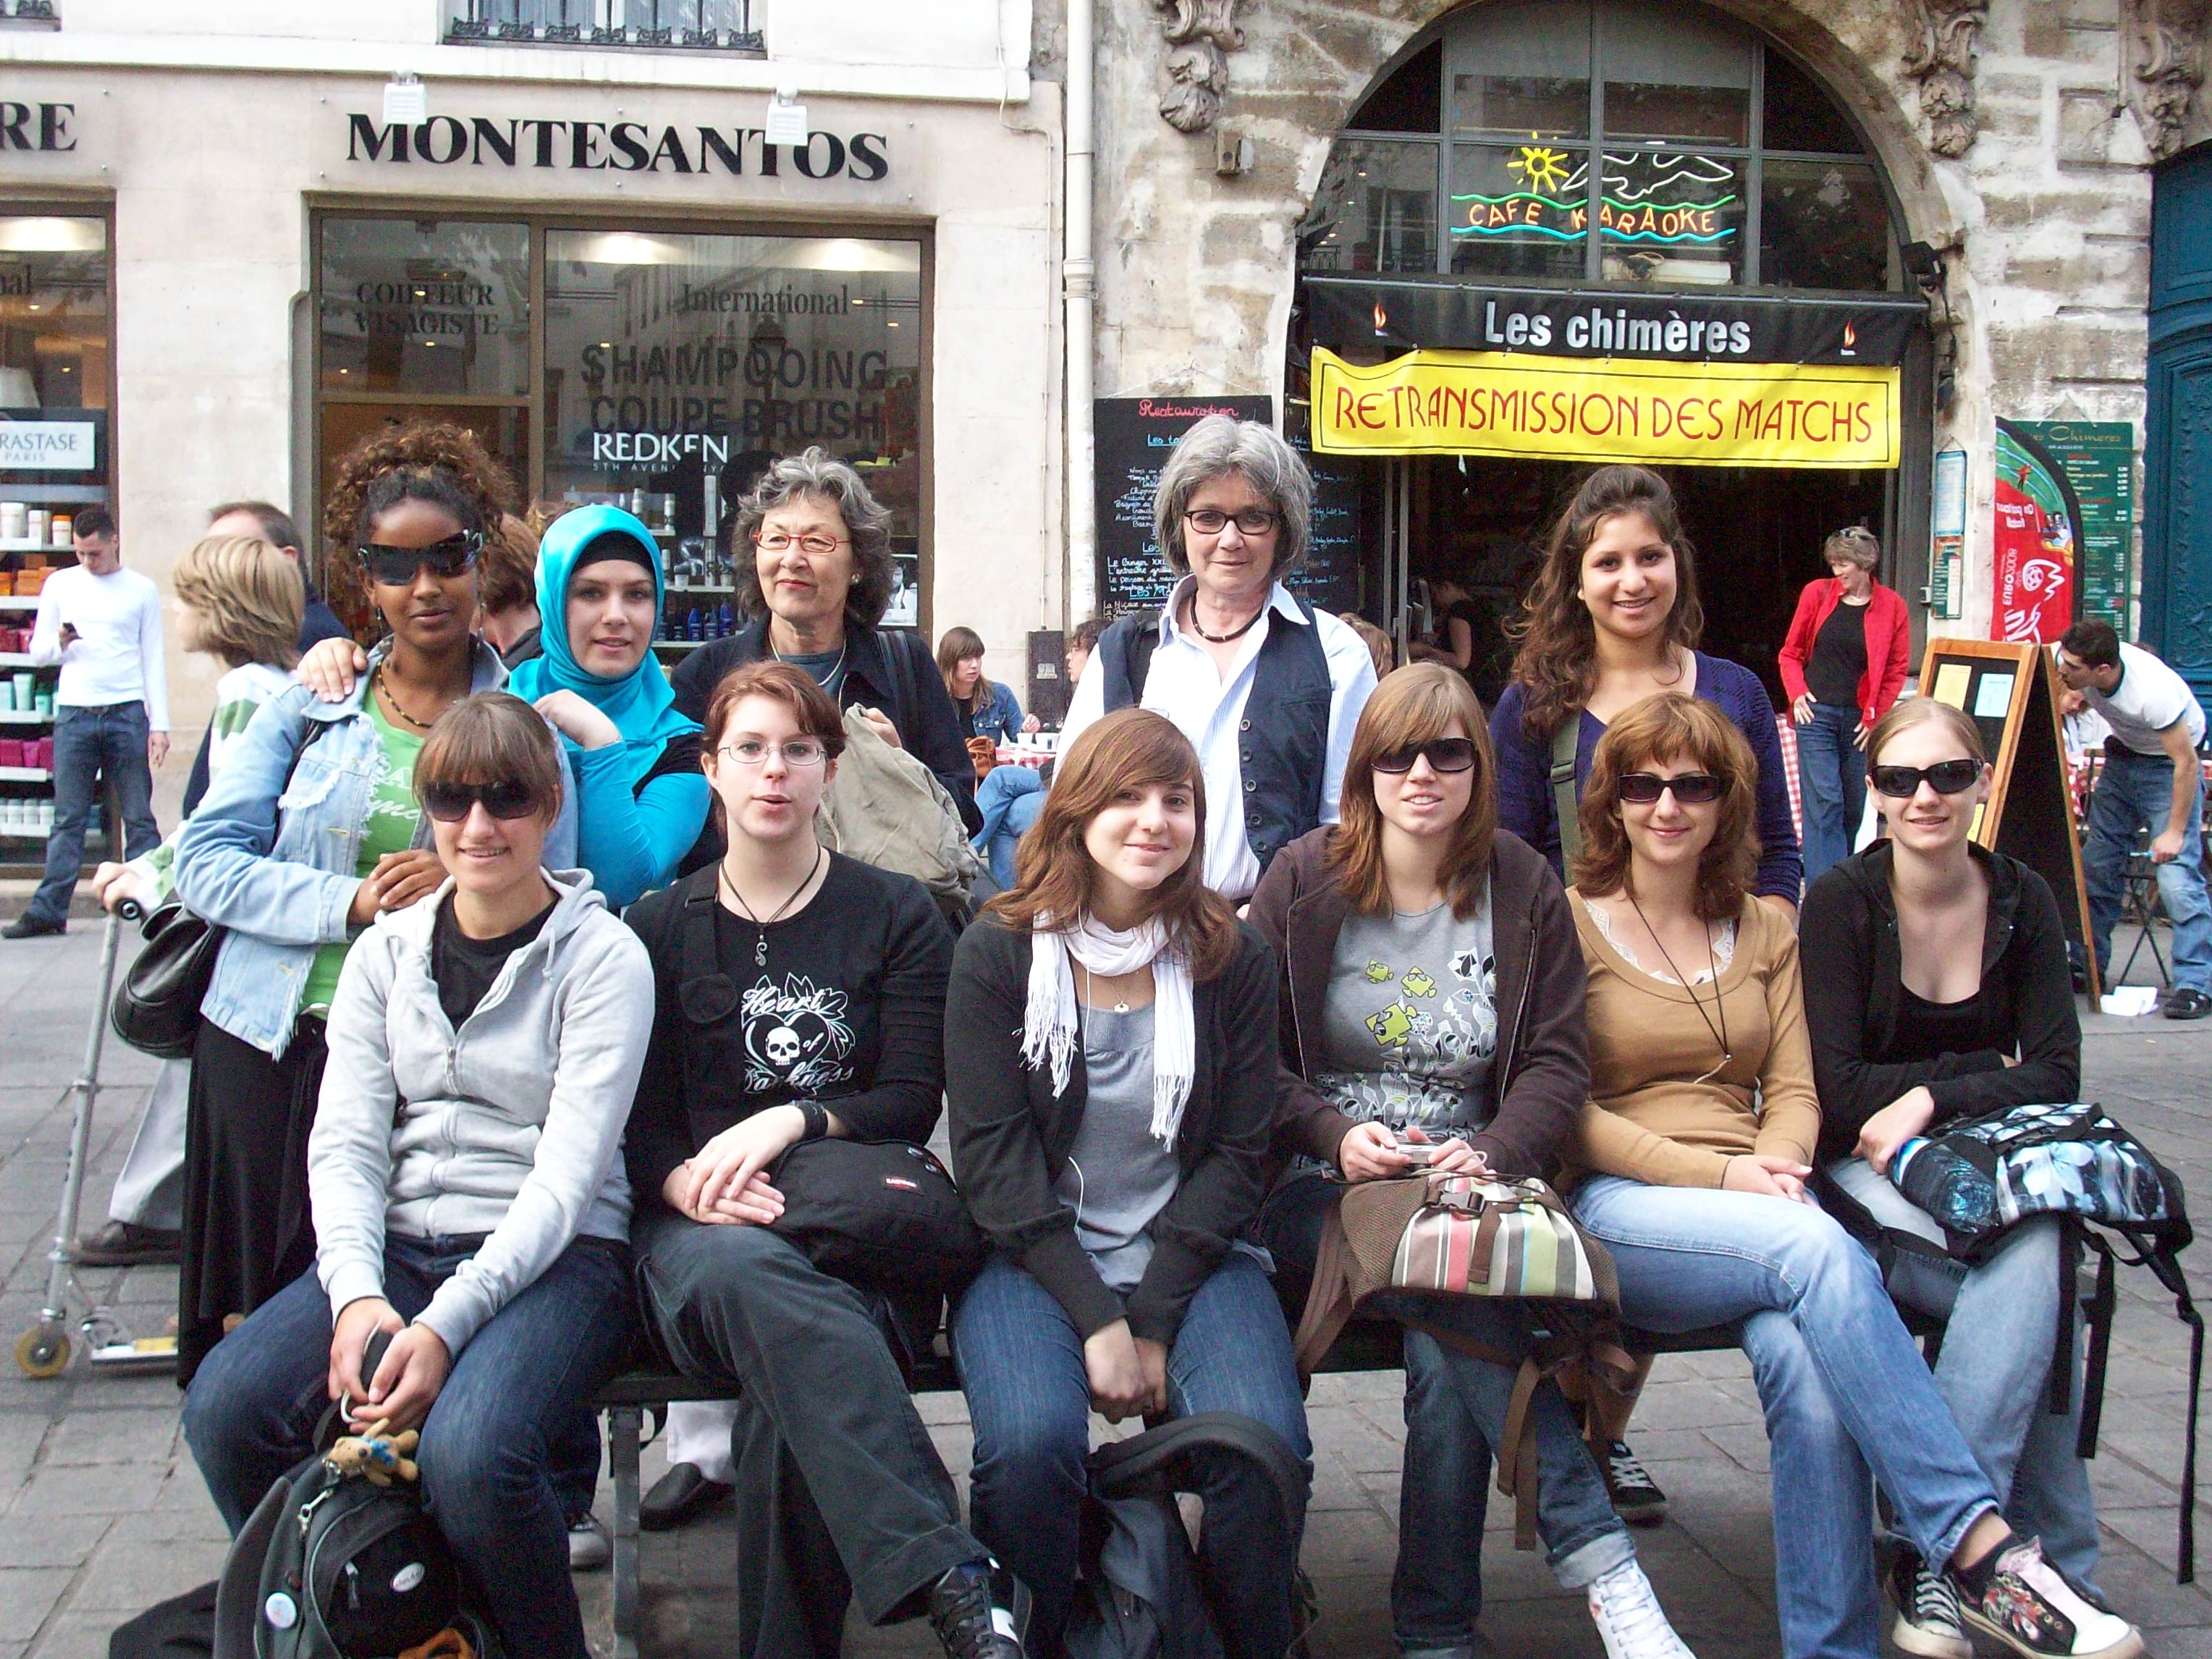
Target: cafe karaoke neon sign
point(1556, 201)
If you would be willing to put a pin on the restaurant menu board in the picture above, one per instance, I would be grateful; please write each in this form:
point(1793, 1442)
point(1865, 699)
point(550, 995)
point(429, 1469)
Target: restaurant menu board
point(1134, 438)
point(1330, 578)
point(2098, 458)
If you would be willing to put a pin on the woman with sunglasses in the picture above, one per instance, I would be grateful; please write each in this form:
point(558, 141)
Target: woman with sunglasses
point(1690, 1164)
point(310, 833)
point(465, 1169)
point(1110, 1119)
point(800, 994)
point(1432, 999)
point(1936, 988)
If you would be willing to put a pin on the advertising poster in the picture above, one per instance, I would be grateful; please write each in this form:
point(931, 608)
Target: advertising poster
point(2036, 560)
point(2098, 458)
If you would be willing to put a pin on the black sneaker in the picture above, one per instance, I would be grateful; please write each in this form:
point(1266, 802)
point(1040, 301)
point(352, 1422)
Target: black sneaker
point(30, 927)
point(980, 1610)
point(1637, 1498)
point(2035, 1610)
point(126, 1244)
point(2186, 1005)
point(1928, 1618)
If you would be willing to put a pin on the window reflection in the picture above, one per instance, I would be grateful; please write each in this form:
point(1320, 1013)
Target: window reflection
point(1519, 210)
point(425, 306)
point(1823, 224)
point(1672, 216)
point(53, 313)
point(1376, 210)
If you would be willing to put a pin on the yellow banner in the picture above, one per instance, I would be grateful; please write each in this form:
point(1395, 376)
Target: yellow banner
point(1572, 409)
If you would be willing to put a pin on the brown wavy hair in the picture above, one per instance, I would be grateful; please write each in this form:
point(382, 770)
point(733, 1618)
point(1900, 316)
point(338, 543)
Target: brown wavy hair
point(432, 461)
point(1416, 705)
point(1556, 664)
point(493, 737)
point(809, 705)
point(1669, 726)
point(1053, 870)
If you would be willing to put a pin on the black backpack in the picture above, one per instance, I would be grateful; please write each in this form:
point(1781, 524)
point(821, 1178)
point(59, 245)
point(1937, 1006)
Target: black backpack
point(1142, 1593)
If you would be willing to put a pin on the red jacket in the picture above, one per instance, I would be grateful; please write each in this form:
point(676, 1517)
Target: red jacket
point(1888, 643)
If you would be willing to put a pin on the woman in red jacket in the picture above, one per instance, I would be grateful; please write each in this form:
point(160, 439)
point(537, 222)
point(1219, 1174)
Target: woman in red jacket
point(1843, 666)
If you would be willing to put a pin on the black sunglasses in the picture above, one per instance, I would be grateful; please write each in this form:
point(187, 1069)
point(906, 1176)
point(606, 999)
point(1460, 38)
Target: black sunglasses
point(1950, 777)
point(1442, 755)
point(449, 803)
point(395, 566)
point(1691, 789)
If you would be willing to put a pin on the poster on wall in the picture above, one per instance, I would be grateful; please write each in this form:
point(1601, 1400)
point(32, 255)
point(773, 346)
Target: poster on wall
point(2035, 575)
point(2098, 458)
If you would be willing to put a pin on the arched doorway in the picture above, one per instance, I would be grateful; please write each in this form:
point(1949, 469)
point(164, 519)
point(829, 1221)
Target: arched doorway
point(2177, 595)
point(1730, 196)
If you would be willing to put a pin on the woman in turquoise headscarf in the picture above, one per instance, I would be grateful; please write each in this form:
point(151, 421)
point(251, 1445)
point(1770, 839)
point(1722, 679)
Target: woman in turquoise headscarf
point(640, 797)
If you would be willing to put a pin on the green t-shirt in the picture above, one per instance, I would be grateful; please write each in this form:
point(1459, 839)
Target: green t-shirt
point(393, 818)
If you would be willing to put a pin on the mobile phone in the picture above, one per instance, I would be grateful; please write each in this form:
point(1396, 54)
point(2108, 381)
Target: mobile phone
point(1417, 1153)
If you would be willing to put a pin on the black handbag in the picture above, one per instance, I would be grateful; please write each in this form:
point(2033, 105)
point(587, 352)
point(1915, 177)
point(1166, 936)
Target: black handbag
point(883, 1215)
point(157, 1007)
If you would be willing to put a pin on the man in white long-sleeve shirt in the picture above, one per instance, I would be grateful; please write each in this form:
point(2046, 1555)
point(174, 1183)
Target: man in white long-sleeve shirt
point(102, 623)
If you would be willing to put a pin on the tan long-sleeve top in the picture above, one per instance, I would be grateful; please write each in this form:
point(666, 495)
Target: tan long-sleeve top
point(1665, 1107)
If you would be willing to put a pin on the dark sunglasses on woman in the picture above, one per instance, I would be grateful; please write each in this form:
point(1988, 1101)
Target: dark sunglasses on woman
point(395, 566)
point(449, 803)
point(1950, 777)
point(1442, 755)
point(1691, 789)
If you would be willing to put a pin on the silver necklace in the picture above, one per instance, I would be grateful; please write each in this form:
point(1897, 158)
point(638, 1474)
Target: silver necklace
point(1090, 989)
point(730, 886)
point(829, 679)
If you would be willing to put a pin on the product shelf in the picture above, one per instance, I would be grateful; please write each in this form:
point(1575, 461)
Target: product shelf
point(25, 774)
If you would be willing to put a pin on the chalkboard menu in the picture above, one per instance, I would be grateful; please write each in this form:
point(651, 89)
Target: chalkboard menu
point(1330, 579)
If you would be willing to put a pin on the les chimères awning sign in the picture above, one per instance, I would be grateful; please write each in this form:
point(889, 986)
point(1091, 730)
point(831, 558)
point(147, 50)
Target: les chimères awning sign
point(1562, 408)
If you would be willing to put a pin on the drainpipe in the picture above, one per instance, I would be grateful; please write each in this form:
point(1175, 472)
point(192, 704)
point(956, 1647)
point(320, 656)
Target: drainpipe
point(1079, 274)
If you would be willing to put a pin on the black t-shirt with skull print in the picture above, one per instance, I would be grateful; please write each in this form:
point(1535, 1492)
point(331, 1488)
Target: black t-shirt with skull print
point(842, 1002)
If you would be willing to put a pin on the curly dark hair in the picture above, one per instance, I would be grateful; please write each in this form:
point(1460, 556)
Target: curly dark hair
point(432, 461)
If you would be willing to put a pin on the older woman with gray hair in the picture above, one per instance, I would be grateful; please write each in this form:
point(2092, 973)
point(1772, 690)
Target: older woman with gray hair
point(1842, 665)
point(1232, 515)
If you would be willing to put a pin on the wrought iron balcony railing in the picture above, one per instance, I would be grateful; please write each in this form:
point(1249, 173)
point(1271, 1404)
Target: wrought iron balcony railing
point(650, 25)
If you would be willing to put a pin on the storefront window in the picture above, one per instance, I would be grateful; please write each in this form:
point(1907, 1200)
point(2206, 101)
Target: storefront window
point(1672, 216)
point(1377, 208)
point(1519, 210)
point(1824, 225)
point(417, 306)
point(1528, 74)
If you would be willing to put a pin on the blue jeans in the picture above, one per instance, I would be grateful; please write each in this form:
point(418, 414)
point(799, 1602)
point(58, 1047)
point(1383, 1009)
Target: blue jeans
point(2135, 792)
point(1832, 771)
point(90, 743)
point(1029, 1396)
point(1010, 797)
point(1994, 1370)
point(1456, 1408)
point(250, 1417)
point(1844, 1388)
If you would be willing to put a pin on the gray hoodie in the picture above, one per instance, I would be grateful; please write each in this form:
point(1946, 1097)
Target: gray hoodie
point(511, 1126)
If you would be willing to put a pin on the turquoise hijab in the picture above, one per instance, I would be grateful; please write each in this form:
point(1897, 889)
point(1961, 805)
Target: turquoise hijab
point(640, 702)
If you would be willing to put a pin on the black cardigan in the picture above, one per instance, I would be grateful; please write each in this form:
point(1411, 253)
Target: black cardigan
point(1853, 969)
point(1011, 1136)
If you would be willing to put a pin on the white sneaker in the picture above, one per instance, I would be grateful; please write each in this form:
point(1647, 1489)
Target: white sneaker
point(590, 1548)
point(2035, 1610)
point(1630, 1621)
point(1927, 1614)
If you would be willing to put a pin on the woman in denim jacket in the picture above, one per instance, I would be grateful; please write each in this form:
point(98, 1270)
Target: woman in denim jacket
point(311, 831)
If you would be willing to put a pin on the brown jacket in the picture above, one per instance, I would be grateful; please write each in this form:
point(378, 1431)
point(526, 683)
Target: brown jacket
point(1540, 1077)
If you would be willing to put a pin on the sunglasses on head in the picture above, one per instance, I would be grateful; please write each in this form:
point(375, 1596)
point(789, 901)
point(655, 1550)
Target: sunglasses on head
point(1442, 755)
point(395, 566)
point(1950, 777)
point(449, 803)
point(1691, 788)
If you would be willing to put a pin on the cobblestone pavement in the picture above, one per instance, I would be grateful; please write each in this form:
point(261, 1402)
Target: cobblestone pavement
point(104, 1513)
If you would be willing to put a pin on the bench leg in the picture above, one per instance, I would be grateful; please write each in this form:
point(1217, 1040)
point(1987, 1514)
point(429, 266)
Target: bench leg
point(624, 1442)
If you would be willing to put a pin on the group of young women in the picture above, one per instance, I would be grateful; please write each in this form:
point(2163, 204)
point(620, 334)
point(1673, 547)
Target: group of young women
point(442, 1091)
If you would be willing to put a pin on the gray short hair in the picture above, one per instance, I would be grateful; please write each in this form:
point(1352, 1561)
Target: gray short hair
point(867, 521)
point(1855, 542)
point(1217, 445)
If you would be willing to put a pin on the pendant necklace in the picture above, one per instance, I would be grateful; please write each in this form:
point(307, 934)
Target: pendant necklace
point(828, 681)
point(1091, 988)
point(730, 886)
point(1720, 1000)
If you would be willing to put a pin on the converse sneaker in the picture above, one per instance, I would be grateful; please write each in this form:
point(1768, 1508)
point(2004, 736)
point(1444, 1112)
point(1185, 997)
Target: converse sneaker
point(980, 1610)
point(1630, 1621)
point(1637, 1498)
point(1926, 1612)
point(2029, 1606)
point(589, 1547)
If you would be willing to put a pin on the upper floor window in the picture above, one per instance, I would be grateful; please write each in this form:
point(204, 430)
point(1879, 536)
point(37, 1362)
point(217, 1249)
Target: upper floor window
point(1620, 140)
point(655, 25)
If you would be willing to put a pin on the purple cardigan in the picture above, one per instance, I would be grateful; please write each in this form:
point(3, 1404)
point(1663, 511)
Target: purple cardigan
point(1524, 773)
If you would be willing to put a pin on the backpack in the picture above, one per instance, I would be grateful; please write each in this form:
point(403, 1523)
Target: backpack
point(1142, 1593)
point(887, 809)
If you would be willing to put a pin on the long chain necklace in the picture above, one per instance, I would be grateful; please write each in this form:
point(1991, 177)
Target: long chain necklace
point(730, 886)
point(1720, 1000)
point(830, 679)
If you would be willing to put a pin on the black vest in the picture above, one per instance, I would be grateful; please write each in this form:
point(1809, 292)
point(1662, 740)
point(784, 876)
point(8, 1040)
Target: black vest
point(1282, 740)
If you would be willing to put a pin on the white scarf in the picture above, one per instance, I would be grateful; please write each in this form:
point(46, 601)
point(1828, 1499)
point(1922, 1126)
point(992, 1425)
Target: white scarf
point(1049, 1022)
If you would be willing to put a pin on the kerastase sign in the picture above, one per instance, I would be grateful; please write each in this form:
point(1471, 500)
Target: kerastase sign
point(1705, 414)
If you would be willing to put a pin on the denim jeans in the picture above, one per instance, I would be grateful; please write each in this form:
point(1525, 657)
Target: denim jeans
point(106, 742)
point(250, 1415)
point(1832, 771)
point(1010, 797)
point(1844, 1388)
point(1456, 1408)
point(2134, 791)
point(1029, 1396)
point(1994, 1370)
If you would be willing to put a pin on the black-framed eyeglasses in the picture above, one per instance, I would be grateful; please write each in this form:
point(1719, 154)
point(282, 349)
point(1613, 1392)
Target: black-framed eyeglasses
point(1252, 521)
point(1950, 777)
point(1691, 788)
point(395, 566)
point(449, 803)
point(1442, 755)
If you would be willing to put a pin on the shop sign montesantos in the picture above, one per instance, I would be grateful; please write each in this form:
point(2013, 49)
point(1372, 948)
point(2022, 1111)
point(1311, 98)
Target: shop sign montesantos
point(445, 140)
